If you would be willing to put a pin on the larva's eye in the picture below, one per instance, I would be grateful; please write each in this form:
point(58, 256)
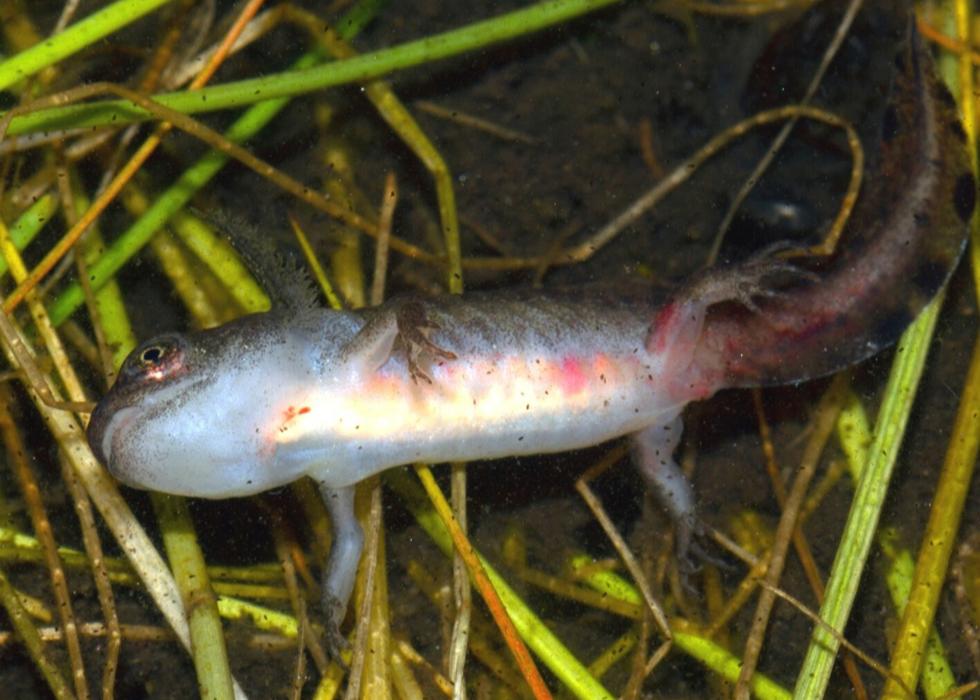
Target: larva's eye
point(151, 356)
point(155, 360)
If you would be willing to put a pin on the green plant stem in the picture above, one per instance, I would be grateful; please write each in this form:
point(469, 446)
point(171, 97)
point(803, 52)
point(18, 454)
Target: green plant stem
point(862, 521)
point(165, 206)
point(309, 79)
point(939, 538)
point(30, 223)
point(76, 37)
point(200, 604)
point(533, 630)
point(936, 679)
point(29, 637)
point(173, 199)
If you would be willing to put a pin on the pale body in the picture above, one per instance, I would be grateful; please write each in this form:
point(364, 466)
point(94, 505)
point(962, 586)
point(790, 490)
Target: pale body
point(273, 397)
point(269, 398)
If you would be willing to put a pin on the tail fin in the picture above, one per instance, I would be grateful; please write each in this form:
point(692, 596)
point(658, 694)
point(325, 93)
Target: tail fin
point(902, 243)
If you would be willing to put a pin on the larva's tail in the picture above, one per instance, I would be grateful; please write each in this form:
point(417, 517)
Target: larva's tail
point(901, 245)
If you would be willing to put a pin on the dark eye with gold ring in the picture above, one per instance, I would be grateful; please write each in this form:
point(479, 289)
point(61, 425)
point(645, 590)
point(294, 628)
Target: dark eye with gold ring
point(152, 354)
point(155, 360)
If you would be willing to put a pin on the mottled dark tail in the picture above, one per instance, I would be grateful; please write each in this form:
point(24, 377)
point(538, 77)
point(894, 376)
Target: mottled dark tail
point(901, 245)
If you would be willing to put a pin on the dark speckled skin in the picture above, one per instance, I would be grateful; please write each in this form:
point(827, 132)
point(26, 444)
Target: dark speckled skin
point(903, 241)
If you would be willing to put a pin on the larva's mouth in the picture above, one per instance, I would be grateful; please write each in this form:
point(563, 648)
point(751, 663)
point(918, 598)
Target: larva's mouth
point(102, 426)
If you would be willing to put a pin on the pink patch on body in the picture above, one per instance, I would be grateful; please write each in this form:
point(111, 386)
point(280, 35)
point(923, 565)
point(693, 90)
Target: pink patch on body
point(661, 326)
point(573, 379)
